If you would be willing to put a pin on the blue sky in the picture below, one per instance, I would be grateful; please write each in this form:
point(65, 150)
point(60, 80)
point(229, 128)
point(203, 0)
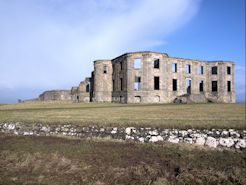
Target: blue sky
point(51, 44)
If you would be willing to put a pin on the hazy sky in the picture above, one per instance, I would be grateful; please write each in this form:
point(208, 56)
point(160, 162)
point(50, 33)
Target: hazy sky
point(51, 44)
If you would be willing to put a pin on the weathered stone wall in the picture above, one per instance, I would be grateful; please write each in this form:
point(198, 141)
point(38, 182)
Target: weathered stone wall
point(56, 95)
point(103, 81)
point(214, 138)
point(124, 76)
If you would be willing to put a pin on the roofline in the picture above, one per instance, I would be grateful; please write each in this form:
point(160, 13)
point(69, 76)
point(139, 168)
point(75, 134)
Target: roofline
point(140, 52)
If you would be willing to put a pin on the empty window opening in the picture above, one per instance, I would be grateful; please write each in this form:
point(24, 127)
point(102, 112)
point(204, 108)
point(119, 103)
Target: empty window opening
point(187, 68)
point(188, 86)
point(156, 83)
point(228, 86)
point(113, 68)
point(174, 84)
point(121, 84)
point(156, 63)
point(201, 85)
point(121, 65)
point(214, 86)
point(113, 86)
point(174, 67)
point(137, 63)
point(214, 70)
point(137, 83)
point(88, 88)
point(200, 70)
point(228, 70)
point(105, 69)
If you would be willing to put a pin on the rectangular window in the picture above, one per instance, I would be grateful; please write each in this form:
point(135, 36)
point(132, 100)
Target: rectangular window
point(214, 86)
point(137, 83)
point(121, 66)
point(156, 63)
point(200, 70)
point(88, 88)
point(121, 84)
point(174, 84)
point(113, 86)
point(188, 86)
point(187, 68)
point(105, 69)
point(137, 63)
point(214, 70)
point(174, 67)
point(228, 70)
point(228, 86)
point(156, 83)
point(201, 85)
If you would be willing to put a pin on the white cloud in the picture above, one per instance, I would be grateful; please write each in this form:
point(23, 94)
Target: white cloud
point(52, 43)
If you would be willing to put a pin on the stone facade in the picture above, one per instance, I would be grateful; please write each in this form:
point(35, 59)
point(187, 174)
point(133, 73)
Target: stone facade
point(152, 77)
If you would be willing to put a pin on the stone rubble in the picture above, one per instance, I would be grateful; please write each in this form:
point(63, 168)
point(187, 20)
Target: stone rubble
point(230, 138)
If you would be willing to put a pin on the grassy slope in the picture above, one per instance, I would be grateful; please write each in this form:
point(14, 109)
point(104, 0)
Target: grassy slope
point(161, 115)
point(53, 160)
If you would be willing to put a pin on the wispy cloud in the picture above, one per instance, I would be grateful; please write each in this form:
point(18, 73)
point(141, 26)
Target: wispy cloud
point(52, 43)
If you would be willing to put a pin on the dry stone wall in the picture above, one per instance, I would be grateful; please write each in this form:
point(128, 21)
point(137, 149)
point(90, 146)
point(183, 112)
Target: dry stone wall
point(229, 138)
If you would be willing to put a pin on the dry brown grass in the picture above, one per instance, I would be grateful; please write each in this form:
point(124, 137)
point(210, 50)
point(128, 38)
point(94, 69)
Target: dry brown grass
point(54, 160)
point(210, 115)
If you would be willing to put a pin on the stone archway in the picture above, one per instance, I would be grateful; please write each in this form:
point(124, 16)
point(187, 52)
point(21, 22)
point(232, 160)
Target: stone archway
point(157, 99)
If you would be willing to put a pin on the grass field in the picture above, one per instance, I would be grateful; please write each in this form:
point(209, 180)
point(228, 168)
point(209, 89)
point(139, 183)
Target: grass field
point(210, 115)
point(54, 160)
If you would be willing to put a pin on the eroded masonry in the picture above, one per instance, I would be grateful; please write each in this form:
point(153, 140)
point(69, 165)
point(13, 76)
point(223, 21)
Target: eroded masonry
point(152, 77)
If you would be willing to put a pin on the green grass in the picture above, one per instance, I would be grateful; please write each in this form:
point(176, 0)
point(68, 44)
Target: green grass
point(209, 115)
point(54, 160)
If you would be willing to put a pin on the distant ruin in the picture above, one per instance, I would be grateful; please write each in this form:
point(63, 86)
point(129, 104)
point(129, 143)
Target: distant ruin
point(153, 77)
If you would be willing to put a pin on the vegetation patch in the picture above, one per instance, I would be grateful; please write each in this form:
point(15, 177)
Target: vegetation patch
point(56, 160)
point(179, 116)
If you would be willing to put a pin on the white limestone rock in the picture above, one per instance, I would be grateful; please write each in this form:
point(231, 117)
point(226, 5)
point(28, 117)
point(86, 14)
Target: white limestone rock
point(200, 141)
point(240, 144)
point(153, 132)
point(26, 133)
point(212, 142)
point(153, 139)
point(11, 126)
point(173, 139)
point(113, 131)
point(226, 142)
point(183, 133)
point(225, 133)
point(141, 139)
point(129, 130)
point(129, 137)
point(159, 138)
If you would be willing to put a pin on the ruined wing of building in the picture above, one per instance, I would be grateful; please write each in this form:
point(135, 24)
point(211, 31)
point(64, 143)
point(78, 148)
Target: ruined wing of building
point(153, 77)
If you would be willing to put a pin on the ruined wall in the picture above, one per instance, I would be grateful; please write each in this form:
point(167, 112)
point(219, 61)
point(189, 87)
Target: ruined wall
point(153, 77)
point(55, 95)
point(158, 73)
point(214, 138)
point(102, 81)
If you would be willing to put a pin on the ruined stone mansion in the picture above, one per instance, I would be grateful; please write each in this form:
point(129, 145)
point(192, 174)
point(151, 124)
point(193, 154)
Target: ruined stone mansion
point(153, 77)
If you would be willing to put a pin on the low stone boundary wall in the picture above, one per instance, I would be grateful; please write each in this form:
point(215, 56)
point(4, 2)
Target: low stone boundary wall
point(229, 138)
